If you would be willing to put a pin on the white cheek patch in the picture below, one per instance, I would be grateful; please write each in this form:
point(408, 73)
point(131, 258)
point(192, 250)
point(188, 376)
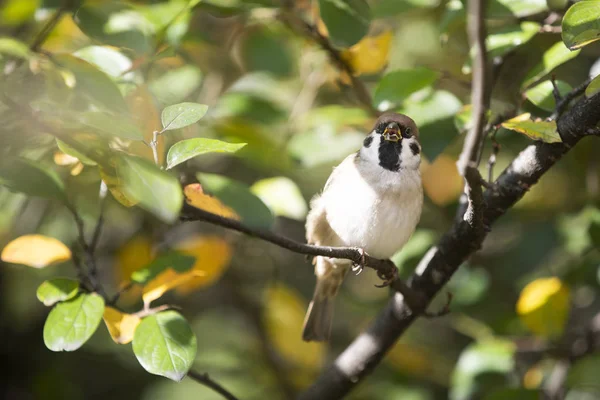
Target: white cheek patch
point(371, 153)
point(411, 154)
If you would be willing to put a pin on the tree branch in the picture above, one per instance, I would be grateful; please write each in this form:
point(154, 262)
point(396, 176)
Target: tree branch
point(207, 381)
point(441, 261)
point(385, 268)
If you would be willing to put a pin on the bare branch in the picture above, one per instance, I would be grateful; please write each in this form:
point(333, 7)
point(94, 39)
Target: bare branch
point(563, 102)
point(207, 381)
point(384, 267)
point(480, 97)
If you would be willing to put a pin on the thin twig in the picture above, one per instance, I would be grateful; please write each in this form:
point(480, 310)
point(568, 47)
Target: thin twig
point(295, 22)
point(207, 381)
point(385, 267)
point(480, 98)
point(100, 222)
point(494, 155)
point(563, 103)
point(50, 25)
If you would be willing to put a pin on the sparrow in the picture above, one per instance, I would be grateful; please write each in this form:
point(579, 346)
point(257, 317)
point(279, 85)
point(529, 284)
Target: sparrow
point(372, 201)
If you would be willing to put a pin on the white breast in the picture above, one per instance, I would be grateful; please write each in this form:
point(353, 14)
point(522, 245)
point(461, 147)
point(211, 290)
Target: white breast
point(372, 208)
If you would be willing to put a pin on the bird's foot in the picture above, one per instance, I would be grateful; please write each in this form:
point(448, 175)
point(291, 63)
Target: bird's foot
point(388, 277)
point(360, 265)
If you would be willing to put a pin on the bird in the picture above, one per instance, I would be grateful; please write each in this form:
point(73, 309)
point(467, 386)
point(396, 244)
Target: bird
point(372, 201)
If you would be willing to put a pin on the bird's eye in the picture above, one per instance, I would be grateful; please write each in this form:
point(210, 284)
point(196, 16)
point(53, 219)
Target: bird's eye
point(406, 133)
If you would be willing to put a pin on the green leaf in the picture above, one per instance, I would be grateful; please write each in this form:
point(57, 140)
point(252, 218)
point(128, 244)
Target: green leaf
point(65, 148)
point(282, 196)
point(593, 87)
point(515, 8)
point(71, 323)
point(594, 232)
point(110, 125)
point(31, 178)
point(581, 24)
point(545, 131)
point(14, 48)
point(17, 12)
point(173, 259)
point(155, 190)
point(238, 196)
point(553, 57)
point(487, 357)
point(165, 345)
point(181, 115)
point(389, 8)
point(262, 49)
point(176, 85)
point(55, 290)
point(506, 39)
point(541, 95)
point(514, 394)
point(110, 61)
point(347, 21)
point(396, 86)
point(189, 148)
point(584, 373)
point(92, 83)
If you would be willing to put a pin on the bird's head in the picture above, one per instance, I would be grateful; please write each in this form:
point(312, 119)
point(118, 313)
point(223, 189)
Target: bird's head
point(393, 143)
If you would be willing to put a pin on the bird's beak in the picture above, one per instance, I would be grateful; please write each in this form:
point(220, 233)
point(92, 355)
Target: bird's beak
point(392, 132)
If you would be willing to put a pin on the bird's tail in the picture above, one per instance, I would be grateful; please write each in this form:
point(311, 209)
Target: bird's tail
point(317, 323)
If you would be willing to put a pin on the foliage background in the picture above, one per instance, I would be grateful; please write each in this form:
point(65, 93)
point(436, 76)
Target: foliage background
point(273, 88)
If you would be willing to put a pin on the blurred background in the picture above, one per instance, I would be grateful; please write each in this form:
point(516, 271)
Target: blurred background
point(268, 82)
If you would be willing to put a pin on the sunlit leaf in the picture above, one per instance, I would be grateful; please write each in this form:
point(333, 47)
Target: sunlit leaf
point(543, 307)
point(504, 40)
point(14, 48)
point(347, 21)
point(282, 196)
point(237, 196)
point(33, 179)
point(283, 319)
point(71, 323)
point(190, 148)
point(212, 255)
point(165, 345)
point(483, 358)
point(48, 251)
point(153, 189)
point(121, 326)
point(176, 85)
point(553, 57)
point(541, 95)
point(92, 83)
point(167, 280)
point(58, 289)
point(195, 196)
point(370, 55)
point(181, 115)
point(17, 12)
point(69, 150)
point(594, 87)
point(396, 86)
point(107, 59)
point(175, 260)
point(545, 131)
point(116, 187)
point(514, 8)
point(581, 24)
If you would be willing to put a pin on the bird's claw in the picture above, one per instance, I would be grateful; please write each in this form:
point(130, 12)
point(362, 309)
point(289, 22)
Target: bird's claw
point(360, 265)
point(387, 278)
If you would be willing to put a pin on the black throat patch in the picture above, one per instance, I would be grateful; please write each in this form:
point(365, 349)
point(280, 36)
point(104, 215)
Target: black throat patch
point(389, 155)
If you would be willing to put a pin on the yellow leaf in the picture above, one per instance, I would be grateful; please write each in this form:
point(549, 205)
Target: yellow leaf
point(212, 254)
point(133, 255)
point(195, 196)
point(37, 251)
point(114, 185)
point(370, 55)
point(121, 326)
point(543, 307)
point(63, 159)
point(283, 319)
point(146, 116)
point(167, 280)
point(441, 181)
